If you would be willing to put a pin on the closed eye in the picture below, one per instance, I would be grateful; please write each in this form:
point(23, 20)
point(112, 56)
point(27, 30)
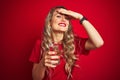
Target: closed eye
point(58, 16)
point(67, 17)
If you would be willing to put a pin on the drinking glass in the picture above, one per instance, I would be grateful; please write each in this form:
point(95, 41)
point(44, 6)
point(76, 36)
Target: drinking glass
point(53, 47)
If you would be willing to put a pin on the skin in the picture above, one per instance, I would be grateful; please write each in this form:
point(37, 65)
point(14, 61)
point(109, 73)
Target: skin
point(59, 16)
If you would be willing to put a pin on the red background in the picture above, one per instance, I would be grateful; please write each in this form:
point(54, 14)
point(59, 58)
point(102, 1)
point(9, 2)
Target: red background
point(22, 22)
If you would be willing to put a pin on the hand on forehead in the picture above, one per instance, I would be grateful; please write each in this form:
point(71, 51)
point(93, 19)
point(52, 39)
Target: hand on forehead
point(62, 11)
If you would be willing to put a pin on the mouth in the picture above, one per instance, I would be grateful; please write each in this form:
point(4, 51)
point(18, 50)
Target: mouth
point(62, 24)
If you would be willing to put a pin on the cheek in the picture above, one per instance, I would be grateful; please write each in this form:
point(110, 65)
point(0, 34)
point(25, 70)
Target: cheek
point(53, 26)
point(68, 24)
point(54, 23)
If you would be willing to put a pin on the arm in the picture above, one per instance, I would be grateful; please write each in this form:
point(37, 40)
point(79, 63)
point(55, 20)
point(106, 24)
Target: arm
point(38, 71)
point(47, 61)
point(95, 40)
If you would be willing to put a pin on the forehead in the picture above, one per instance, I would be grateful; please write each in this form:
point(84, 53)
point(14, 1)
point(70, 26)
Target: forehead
point(56, 12)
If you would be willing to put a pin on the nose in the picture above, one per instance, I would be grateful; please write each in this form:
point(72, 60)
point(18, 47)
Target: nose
point(63, 18)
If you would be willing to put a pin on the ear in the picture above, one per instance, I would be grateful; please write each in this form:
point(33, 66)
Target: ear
point(49, 24)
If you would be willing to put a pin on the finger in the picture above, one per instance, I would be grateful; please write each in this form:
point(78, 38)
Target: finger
point(47, 56)
point(67, 13)
point(53, 62)
point(55, 57)
point(50, 65)
point(62, 11)
point(52, 52)
point(52, 57)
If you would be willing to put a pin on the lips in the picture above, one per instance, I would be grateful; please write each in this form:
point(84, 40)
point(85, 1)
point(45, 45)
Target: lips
point(62, 24)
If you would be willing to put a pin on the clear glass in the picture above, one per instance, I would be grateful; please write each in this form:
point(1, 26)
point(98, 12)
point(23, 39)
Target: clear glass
point(53, 47)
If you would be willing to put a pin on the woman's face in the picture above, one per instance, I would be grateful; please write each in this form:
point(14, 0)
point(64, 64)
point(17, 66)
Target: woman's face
point(59, 22)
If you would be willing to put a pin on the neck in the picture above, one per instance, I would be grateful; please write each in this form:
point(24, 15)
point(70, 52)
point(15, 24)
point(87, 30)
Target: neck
point(57, 37)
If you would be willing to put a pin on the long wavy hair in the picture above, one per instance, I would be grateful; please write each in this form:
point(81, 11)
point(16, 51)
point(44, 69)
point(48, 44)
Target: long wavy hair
point(68, 42)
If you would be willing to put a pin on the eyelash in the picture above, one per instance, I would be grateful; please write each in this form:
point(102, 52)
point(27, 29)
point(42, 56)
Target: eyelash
point(60, 17)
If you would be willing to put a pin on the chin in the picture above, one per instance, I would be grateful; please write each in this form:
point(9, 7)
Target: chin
point(63, 30)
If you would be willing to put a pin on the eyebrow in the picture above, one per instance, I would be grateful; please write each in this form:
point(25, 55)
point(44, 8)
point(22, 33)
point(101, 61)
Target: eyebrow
point(58, 13)
point(61, 14)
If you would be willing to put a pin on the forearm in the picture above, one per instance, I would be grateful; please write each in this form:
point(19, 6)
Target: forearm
point(93, 34)
point(38, 71)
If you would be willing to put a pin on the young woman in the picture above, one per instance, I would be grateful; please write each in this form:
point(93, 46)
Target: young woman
point(56, 55)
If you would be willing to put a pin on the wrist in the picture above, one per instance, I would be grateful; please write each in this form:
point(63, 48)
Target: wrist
point(42, 64)
point(83, 19)
point(80, 16)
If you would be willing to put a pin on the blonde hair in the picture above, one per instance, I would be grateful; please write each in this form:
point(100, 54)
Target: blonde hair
point(68, 42)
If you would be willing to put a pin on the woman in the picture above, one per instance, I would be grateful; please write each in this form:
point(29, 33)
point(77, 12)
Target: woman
point(47, 64)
